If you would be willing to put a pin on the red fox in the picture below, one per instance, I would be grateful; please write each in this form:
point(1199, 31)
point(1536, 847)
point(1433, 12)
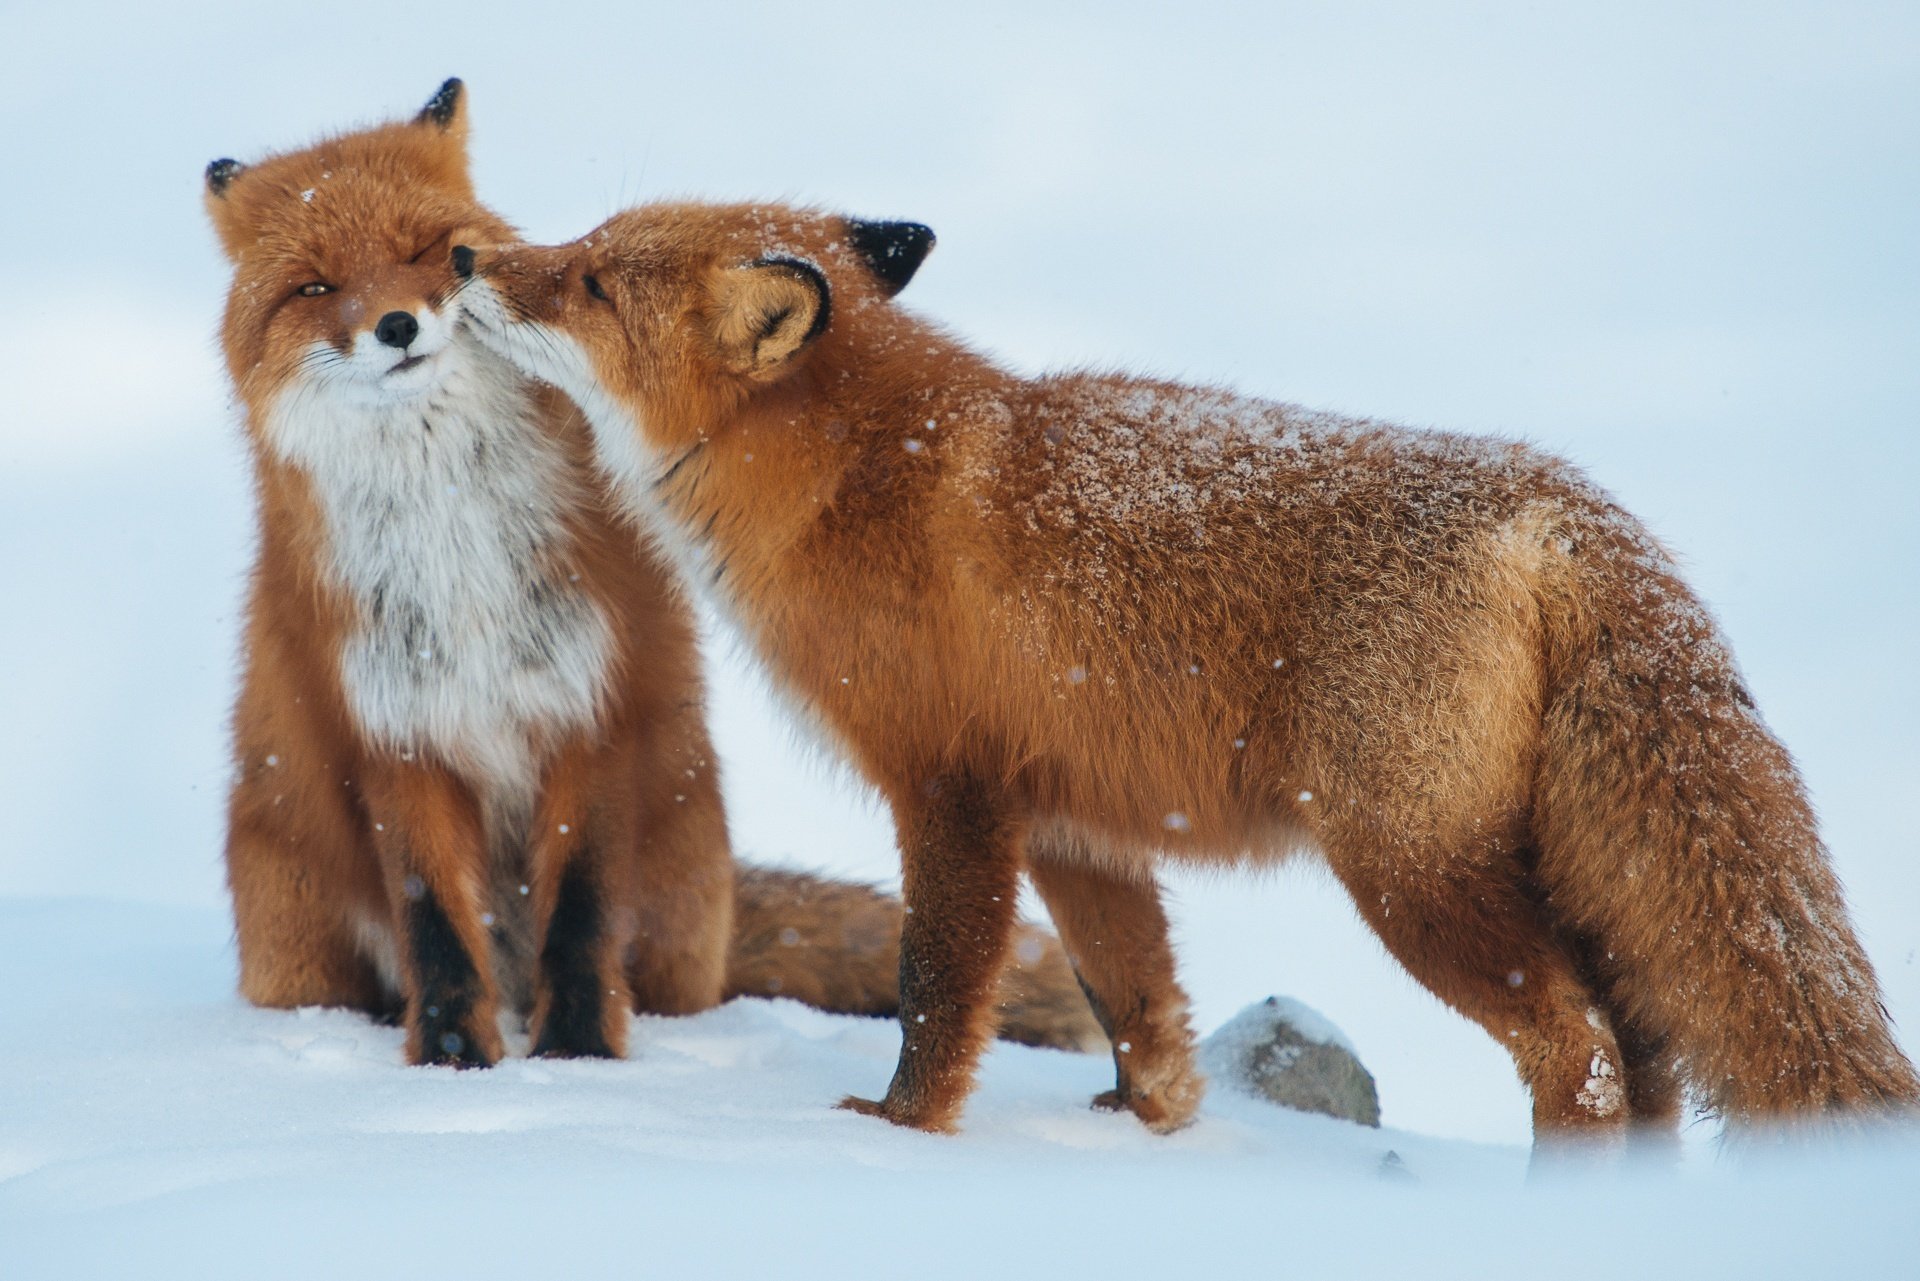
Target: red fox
point(472, 764)
point(1080, 623)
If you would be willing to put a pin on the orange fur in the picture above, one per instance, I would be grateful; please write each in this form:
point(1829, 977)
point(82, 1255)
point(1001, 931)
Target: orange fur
point(1082, 623)
point(567, 863)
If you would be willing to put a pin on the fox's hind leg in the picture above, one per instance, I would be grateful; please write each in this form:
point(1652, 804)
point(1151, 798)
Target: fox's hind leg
point(310, 913)
point(683, 894)
point(308, 909)
point(1116, 935)
point(1461, 923)
point(1655, 1089)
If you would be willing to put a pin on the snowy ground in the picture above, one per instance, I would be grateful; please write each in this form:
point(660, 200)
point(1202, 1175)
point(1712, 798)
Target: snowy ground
point(1675, 242)
point(155, 1127)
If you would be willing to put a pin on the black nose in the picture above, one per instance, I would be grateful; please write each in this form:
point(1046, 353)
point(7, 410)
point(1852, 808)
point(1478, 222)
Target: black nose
point(397, 329)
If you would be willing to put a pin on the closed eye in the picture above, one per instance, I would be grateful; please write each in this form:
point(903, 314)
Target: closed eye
point(593, 287)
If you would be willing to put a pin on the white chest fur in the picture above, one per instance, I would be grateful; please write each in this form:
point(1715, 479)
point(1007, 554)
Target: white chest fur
point(446, 523)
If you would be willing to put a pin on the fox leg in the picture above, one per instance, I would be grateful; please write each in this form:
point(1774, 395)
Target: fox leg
point(580, 841)
point(309, 908)
point(683, 888)
point(1655, 1090)
point(433, 853)
point(1116, 935)
point(1465, 929)
point(632, 886)
point(306, 898)
point(960, 851)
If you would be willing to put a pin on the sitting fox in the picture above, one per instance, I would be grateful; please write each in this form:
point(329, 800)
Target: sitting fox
point(1081, 623)
point(472, 763)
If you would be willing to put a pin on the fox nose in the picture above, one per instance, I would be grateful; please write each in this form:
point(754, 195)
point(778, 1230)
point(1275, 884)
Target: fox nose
point(397, 329)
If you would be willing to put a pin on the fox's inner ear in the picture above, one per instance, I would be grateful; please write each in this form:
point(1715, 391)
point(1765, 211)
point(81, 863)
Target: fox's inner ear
point(447, 109)
point(894, 250)
point(767, 312)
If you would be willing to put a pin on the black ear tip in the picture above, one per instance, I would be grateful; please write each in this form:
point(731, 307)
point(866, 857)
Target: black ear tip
point(220, 173)
point(463, 262)
point(440, 108)
point(894, 250)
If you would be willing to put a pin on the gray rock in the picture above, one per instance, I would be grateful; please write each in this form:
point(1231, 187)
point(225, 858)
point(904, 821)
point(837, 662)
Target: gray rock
point(1286, 1053)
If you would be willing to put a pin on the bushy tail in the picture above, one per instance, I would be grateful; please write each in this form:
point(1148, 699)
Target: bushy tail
point(836, 945)
point(1674, 831)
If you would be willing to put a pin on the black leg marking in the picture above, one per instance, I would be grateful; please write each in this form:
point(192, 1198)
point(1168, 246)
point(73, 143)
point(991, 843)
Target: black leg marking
point(569, 967)
point(449, 985)
point(1100, 1014)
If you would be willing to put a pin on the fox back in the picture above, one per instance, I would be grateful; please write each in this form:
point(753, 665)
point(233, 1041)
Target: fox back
point(1069, 625)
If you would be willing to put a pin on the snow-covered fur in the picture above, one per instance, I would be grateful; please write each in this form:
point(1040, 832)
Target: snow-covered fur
point(1079, 623)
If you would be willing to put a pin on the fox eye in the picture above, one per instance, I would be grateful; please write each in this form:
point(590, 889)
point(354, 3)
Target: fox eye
point(314, 288)
point(593, 287)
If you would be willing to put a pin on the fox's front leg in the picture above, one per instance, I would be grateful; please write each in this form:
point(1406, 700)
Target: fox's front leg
point(433, 853)
point(583, 846)
point(960, 848)
point(1115, 932)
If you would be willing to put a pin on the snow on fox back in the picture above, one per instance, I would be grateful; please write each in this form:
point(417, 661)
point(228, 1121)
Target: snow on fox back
point(446, 516)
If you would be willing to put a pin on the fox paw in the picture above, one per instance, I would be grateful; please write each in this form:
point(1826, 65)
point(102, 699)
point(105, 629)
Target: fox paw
point(1163, 1110)
point(451, 1049)
point(574, 1038)
point(887, 1111)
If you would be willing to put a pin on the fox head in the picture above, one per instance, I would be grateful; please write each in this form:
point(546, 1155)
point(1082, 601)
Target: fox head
point(343, 284)
point(667, 317)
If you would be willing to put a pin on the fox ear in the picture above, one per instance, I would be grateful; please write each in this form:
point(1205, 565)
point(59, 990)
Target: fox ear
point(894, 250)
point(220, 173)
point(767, 312)
point(447, 109)
point(443, 123)
point(231, 219)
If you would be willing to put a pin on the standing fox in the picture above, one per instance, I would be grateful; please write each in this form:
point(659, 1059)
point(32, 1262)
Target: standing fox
point(472, 765)
point(1076, 623)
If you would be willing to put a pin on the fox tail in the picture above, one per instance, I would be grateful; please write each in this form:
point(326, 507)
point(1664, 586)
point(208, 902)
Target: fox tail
point(835, 945)
point(1674, 830)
